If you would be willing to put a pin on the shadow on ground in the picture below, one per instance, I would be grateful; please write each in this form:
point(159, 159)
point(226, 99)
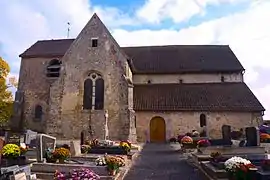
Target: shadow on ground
point(162, 162)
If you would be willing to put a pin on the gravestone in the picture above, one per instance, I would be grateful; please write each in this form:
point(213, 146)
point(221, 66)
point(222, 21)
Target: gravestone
point(75, 148)
point(30, 138)
point(13, 138)
point(226, 134)
point(44, 142)
point(253, 136)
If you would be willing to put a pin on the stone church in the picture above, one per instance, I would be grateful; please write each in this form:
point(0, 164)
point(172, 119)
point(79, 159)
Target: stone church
point(73, 87)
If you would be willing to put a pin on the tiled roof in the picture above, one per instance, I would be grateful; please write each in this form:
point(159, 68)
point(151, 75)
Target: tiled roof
point(158, 59)
point(196, 97)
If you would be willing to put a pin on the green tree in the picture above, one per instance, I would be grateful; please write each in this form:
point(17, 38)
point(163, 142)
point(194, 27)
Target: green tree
point(6, 100)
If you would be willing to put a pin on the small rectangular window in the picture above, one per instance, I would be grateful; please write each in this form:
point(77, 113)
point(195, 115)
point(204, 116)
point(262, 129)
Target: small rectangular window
point(94, 42)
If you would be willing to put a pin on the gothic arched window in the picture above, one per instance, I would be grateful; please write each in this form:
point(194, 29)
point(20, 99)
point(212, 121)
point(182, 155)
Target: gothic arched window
point(202, 120)
point(93, 92)
point(38, 112)
point(88, 93)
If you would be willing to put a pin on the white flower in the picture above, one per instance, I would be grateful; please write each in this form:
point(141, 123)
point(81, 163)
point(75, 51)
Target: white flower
point(235, 162)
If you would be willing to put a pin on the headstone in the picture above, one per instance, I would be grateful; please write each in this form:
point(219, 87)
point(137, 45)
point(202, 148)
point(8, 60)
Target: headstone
point(44, 142)
point(75, 148)
point(30, 138)
point(13, 138)
point(253, 136)
point(226, 134)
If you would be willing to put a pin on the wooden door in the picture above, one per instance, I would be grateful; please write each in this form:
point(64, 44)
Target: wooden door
point(157, 130)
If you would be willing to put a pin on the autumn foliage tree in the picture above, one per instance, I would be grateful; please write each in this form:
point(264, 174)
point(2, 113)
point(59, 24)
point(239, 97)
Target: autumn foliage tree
point(6, 100)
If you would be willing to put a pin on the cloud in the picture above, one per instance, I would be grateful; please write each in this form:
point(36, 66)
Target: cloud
point(25, 22)
point(155, 11)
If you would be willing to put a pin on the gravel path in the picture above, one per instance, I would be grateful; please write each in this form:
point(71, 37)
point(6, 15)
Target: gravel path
point(162, 162)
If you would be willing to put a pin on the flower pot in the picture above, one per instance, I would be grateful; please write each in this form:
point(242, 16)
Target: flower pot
point(51, 160)
point(21, 160)
point(62, 161)
point(112, 172)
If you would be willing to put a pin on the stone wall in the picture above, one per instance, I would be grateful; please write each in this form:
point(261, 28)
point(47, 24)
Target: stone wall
point(183, 122)
point(36, 86)
point(186, 78)
point(108, 60)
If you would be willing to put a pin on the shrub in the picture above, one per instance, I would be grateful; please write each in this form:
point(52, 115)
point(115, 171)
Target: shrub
point(11, 151)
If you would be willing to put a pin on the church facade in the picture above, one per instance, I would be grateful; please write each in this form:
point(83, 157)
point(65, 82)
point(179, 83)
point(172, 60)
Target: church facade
point(73, 87)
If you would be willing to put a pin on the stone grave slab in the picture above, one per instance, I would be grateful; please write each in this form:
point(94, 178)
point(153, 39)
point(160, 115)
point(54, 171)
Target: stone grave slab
point(233, 150)
point(252, 136)
point(44, 142)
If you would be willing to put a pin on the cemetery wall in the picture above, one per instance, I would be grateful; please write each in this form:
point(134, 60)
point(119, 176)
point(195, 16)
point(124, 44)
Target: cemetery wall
point(183, 122)
point(186, 78)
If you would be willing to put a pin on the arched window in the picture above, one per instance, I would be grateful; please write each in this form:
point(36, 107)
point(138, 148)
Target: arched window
point(99, 94)
point(38, 112)
point(93, 92)
point(88, 93)
point(202, 120)
point(53, 69)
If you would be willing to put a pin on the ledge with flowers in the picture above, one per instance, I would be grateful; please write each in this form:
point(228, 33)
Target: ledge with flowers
point(234, 168)
point(96, 146)
point(13, 154)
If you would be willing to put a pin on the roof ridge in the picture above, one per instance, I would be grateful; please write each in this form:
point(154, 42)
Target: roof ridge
point(211, 83)
point(55, 40)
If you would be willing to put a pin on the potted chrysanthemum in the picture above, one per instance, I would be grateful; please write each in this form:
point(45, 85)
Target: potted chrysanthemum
point(240, 169)
point(187, 142)
point(113, 164)
point(61, 154)
point(12, 155)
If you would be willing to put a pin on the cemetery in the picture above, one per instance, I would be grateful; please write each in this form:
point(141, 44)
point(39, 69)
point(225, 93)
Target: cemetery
point(239, 155)
point(32, 155)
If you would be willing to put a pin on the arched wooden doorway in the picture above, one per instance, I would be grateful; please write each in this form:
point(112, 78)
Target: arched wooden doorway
point(157, 130)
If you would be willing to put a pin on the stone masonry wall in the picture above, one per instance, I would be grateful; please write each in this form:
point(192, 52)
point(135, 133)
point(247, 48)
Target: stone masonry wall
point(34, 83)
point(106, 59)
point(183, 122)
point(187, 78)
